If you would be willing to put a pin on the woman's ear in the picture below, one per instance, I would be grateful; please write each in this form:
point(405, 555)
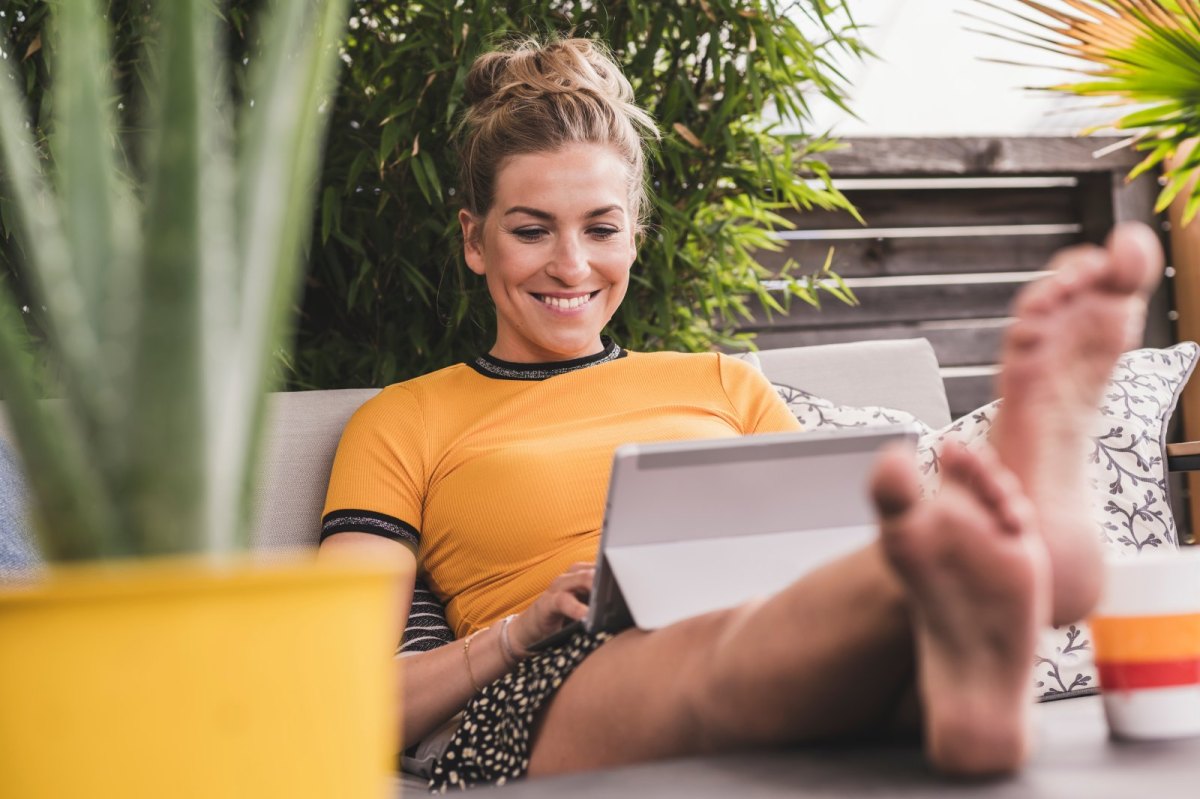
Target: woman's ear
point(472, 233)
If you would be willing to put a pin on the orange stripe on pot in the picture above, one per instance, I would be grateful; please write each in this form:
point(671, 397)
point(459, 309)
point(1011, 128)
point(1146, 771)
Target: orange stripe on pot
point(1160, 674)
point(1141, 639)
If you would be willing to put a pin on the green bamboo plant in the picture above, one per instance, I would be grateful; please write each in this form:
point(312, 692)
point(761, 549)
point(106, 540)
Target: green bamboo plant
point(166, 280)
point(1140, 52)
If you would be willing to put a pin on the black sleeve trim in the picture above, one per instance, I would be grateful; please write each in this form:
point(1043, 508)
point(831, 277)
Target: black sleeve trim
point(365, 521)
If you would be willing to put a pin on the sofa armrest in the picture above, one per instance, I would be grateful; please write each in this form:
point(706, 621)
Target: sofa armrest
point(1183, 457)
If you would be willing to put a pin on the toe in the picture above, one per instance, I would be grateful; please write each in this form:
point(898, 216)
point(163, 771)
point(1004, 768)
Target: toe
point(1136, 259)
point(998, 489)
point(1071, 270)
point(895, 485)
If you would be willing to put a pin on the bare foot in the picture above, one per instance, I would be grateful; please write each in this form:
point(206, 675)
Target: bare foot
point(1057, 358)
point(978, 585)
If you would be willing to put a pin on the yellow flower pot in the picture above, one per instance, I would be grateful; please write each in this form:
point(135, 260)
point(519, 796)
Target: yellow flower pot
point(199, 679)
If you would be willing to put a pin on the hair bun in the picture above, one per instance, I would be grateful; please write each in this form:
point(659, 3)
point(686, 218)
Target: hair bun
point(529, 97)
point(485, 77)
point(528, 70)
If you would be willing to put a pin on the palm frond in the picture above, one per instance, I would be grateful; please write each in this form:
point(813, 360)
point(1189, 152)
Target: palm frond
point(1134, 52)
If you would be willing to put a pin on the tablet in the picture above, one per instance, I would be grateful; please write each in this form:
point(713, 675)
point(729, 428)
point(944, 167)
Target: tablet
point(699, 525)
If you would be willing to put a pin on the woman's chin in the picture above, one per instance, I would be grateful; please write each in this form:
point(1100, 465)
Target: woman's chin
point(550, 350)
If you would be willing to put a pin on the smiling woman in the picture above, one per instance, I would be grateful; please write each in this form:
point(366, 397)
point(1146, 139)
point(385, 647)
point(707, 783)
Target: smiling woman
point(491, 476)
point(554, 191)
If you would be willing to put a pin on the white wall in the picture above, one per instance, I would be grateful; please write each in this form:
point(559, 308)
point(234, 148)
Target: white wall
point(930, 78)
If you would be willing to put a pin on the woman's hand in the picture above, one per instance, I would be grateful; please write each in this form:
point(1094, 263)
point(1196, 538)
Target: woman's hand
point(563, 602)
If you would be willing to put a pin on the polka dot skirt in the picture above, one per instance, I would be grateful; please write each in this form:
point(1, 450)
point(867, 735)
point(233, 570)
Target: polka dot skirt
point(493, 743)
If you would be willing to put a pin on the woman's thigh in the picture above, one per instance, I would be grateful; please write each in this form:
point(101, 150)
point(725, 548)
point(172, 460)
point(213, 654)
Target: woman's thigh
point(828, 657)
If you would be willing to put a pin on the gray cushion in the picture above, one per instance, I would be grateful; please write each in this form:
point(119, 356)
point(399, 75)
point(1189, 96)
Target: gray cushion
point(16, 551)
point(303, 428)
point(901, 374)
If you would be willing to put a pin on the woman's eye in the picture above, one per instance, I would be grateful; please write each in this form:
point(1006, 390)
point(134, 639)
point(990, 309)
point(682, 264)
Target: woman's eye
point(603, 233)
point(529, 234)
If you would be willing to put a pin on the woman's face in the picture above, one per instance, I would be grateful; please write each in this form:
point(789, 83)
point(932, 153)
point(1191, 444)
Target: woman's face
point(556, 249)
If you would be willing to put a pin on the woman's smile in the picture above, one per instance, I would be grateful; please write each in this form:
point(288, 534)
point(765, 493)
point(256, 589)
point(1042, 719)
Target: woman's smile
point(567, 303)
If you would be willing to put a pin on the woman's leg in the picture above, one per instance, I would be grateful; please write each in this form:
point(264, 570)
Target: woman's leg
point(827, 657)
point(962, 581)
point(831, 656)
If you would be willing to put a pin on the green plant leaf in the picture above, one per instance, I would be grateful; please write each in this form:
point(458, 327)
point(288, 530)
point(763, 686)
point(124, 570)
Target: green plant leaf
point(292, 84)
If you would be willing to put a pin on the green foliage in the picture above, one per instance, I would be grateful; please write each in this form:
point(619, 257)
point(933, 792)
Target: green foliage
point(163, 260)
point(388, 295)
point(1140, 52)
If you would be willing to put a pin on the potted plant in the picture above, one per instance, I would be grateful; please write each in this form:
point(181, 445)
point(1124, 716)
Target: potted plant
point(150, 659)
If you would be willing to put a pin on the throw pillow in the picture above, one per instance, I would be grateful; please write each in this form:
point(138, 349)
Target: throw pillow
point(1126, 469)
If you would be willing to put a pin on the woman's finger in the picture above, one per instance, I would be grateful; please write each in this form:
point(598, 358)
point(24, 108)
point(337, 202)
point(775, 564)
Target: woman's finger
point(569, 606)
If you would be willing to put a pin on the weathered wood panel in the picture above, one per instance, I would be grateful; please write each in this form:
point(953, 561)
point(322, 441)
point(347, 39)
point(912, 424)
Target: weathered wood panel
point(954, 228)
point(1024, 155)
point(956, 343)
point(915, 206)
point(929, 255)
point(917, 301)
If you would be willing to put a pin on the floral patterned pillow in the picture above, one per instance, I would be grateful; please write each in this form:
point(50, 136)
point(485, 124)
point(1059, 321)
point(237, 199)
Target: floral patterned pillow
point(1126, 469)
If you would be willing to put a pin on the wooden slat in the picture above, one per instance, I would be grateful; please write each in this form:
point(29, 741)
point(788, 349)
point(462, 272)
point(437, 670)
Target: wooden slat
point(920, 256)
point(1183, 448)
point(958, 343)
point(948, 207)
point(977, 156)
point(892, 304)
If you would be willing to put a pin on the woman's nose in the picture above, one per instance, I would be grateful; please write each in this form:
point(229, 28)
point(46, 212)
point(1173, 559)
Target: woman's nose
point(569, 262)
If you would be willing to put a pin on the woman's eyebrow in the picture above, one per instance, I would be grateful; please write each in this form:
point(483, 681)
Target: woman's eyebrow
point(602, 211)
point(524, 209)
point(535, 212)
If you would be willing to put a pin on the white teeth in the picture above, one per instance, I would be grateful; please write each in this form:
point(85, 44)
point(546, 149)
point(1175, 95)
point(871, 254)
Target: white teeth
point(573, 302)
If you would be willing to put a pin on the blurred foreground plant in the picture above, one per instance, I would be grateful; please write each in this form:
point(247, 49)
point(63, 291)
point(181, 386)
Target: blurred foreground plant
point(1140, 52)
point(166, 278)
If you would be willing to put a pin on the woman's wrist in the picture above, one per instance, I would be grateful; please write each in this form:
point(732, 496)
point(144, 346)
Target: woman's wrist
point(513, 650)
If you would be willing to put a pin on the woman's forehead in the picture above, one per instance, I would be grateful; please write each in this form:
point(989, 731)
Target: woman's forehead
point(578, 178)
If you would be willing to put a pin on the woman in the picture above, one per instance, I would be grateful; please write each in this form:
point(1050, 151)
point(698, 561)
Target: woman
point(491, 476)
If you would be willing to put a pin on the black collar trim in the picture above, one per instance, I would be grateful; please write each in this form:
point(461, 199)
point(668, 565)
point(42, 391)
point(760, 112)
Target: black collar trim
point(488, 366)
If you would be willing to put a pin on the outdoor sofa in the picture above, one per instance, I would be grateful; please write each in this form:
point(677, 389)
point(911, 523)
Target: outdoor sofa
point(1075, 757)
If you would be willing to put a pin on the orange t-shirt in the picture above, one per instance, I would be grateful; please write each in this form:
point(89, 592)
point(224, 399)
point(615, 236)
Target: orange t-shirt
point(497, 474)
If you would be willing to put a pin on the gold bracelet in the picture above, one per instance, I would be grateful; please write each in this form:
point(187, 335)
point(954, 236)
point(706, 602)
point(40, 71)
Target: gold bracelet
point(467, 657)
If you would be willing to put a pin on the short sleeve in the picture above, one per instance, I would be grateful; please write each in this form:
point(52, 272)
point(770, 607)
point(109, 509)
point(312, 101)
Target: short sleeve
point(754, 400)
point(379, 474)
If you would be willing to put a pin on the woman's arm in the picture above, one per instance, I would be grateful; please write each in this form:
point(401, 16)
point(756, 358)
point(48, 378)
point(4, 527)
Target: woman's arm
point(435, 685)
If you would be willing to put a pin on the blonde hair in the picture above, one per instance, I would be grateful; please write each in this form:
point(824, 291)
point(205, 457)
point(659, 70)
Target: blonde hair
point(531, 97)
